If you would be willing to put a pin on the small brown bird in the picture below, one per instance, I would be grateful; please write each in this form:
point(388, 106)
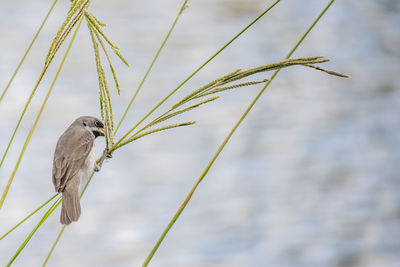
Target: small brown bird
point(74, 161)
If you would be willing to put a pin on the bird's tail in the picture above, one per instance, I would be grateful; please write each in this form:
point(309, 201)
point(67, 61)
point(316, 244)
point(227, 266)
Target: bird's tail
point(71, 207)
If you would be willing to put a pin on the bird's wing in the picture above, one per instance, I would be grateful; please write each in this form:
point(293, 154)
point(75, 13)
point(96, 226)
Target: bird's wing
point(72, 149)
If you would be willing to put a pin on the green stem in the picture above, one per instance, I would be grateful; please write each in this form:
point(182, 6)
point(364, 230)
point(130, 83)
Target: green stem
point(3, 197)
point(195, 72)
point(221, 147)
point(28, 238)
point(27, 51)
point(151, 65)
point(54, 246)
point(27, 217)
point(45, 68)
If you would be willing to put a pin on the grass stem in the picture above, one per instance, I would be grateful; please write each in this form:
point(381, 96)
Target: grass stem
point(4, 195)
point(27, 217)
point(28, 238)
point(54, 246)
point(151, 65)
point(226, 140)
point(51, 54)
point(27, 52)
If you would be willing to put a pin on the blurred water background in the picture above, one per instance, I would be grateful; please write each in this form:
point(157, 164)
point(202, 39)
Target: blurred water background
point(311, 178)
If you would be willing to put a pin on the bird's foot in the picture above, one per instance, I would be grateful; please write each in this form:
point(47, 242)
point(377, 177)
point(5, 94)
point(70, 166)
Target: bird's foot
point(105, 155)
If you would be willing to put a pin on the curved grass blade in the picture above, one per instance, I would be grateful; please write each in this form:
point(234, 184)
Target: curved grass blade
point(226, 140)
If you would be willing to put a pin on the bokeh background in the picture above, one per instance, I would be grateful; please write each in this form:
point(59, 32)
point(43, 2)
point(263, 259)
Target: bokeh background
point(311, 178)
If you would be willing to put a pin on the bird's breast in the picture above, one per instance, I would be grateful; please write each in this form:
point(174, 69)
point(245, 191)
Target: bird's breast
point(88, 165)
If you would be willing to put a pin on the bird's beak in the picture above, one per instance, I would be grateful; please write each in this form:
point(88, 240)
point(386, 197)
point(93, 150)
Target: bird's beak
point(97, 131)
point(101, 131)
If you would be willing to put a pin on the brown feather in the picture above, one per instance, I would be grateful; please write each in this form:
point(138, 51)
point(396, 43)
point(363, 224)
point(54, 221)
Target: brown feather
point(73, 162)
point(71, 152)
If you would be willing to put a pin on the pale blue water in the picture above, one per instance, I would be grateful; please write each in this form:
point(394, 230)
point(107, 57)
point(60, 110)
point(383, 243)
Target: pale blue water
point(311, 178)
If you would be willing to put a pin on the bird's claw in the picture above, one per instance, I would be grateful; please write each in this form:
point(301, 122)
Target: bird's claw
point(106, 154)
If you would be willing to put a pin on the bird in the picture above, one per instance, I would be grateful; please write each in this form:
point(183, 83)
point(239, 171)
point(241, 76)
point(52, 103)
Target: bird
point(74, 161)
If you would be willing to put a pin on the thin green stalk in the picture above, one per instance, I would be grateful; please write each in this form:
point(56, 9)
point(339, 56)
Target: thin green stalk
point(28, 238)
point(195, 72)
point(27, 217)
point(151, 65)
point(27, 51)
point(182, 110)
point(49, 59)
point(221, 147)
point(137, 136)
point(23, 113)
point(54, 246)
point(3, 197)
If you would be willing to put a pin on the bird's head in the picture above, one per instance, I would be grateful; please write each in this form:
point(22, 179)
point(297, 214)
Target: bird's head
point(93, 124)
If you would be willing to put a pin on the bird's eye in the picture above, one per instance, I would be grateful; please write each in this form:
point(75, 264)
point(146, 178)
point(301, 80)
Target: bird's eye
point(84, 124)
point(99, 124)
